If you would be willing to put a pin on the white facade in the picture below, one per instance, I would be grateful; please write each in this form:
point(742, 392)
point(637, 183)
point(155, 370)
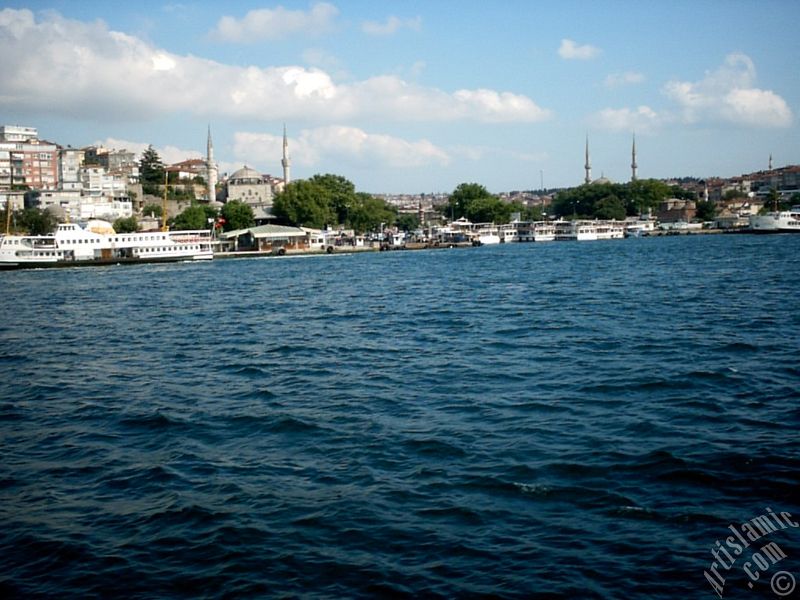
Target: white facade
point(97, 182)
point(79, 207)
point(16, 133)
point(70, 161)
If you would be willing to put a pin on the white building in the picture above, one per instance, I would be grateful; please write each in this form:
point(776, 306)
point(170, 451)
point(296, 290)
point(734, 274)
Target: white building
point(98, 182)
point(16, 133)
point(70, 161)
point(79, 207)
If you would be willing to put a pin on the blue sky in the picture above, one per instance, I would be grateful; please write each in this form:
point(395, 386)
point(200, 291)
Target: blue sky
point(416, 96)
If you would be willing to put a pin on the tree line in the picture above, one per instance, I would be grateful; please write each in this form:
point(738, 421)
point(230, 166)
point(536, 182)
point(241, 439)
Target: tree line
point(615, 200)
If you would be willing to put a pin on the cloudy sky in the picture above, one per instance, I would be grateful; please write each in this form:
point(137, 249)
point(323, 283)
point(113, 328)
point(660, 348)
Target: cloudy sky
point(416, 96)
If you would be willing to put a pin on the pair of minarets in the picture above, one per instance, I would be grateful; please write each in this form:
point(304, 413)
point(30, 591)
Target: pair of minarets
point(211, 166)
point(588, 165)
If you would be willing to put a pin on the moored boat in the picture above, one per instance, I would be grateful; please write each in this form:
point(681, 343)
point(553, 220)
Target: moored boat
point(785, 221)
point(98, 244)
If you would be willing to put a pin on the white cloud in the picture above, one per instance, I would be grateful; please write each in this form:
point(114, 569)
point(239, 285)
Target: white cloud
point(627, 78)
point(642, 119)
point(391, 26)
point(84, 70)
point(340, 144)
point(168, 154)
point(570, 50)
point(276, 23)
point(728, 94)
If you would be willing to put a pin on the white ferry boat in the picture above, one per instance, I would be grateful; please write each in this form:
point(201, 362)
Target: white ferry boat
point(544, 231)
point(98, 244)
point(639, 226)
point(785, 221)
point(584, 231)
point(610, 230)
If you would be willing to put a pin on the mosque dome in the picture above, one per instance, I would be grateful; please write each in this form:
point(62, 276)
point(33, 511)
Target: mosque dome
point(601, 180)
point(246, 176)
point(100, 226)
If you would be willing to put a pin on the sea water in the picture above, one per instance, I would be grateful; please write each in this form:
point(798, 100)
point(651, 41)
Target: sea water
point(576, 420)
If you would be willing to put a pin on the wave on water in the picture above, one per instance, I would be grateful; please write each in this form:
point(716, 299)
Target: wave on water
point(517, 421)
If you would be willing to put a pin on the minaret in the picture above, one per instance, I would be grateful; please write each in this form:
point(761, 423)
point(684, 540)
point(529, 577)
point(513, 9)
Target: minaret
point(211, 169)
point(286, 161)
point(770, 161)
point(634, 166)
point(587, 166)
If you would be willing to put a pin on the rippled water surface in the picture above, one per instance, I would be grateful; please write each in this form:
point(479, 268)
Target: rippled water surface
point(571, 420)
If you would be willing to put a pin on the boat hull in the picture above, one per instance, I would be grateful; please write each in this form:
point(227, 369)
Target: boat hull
point(99, 262)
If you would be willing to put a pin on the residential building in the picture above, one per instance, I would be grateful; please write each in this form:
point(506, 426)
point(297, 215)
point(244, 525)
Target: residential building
point(70, 161)
point(189, 169)
point(16, 133)
point(117, 162)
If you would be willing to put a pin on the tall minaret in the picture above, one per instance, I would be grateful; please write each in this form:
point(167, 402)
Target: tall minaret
point(286, 161)
point(634, 166)
point(587, 166)
point(211, 169)
point(770, 161)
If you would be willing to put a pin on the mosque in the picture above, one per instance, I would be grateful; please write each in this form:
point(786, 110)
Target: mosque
point(587, 179)
point(248, 185)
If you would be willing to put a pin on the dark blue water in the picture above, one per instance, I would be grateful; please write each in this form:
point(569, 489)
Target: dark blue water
point(576, 420)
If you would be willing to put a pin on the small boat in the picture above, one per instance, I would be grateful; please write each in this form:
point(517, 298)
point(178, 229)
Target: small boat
point(98, 244)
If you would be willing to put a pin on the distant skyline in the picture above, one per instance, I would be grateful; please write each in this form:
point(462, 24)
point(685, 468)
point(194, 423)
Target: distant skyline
point(416, 96)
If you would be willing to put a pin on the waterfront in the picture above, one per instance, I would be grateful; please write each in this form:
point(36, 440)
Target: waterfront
point(573, 420)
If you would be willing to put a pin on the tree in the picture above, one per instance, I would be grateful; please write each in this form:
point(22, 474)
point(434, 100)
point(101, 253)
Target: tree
point(237, 215)
point(193, 217)
point(488, 210)
point(304, 203)
point(706, 210)
point(35, 221)
point(126, 225)
point(463, 196)
point(341, 194)
point(367, 213)
point(151, 171)
point(154, 210)
point(407, 222)
point(610, 207)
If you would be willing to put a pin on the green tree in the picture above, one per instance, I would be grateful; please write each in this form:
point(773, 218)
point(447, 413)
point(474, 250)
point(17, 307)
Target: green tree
point(774, 202)
point(126, 225)
point(488, 210)
point(151, 171)
point(706, 210)
point(367, 213)
point(463, 196)
point(193, 217)
point(304, 203)
point(35, 221)
point(154, 210)
point(610, 207)
point(237, 215)
point(644, 194)
point(407, 222)
point(340, 192)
